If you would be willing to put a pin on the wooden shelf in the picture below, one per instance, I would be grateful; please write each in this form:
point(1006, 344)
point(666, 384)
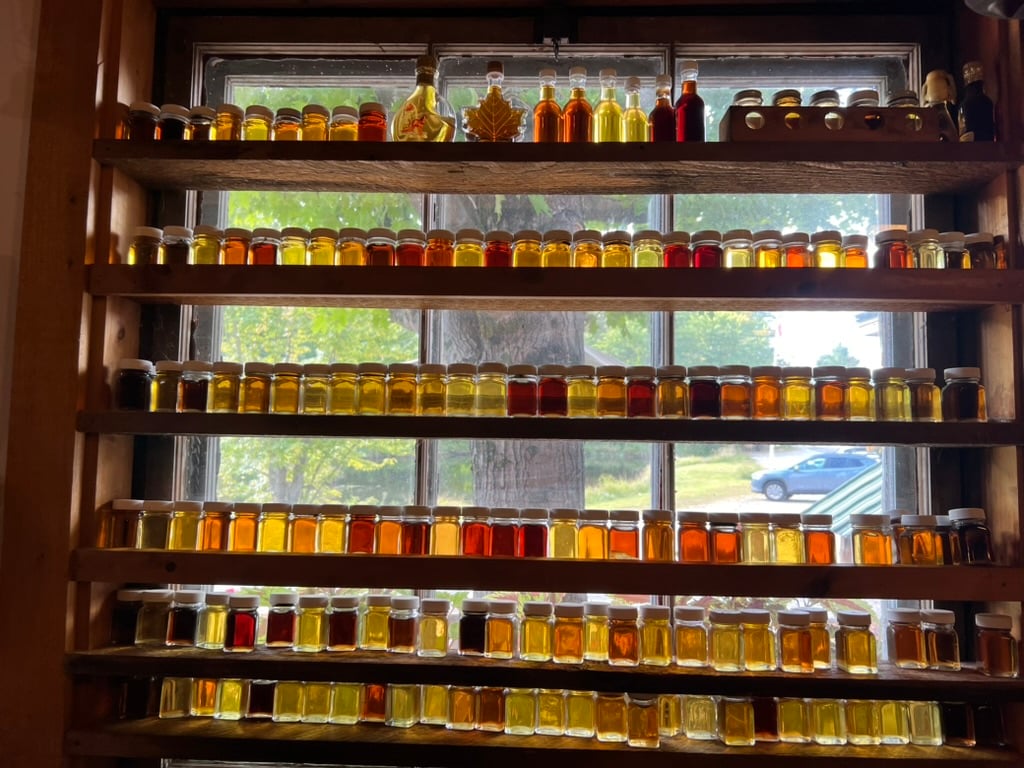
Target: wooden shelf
point(560, 169)
point(497, 428)
point(367, 667)
point(536, 289)
point(205, 738)
point(534, 575)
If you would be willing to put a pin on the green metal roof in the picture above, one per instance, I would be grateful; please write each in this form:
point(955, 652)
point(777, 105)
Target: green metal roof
point(860, 495)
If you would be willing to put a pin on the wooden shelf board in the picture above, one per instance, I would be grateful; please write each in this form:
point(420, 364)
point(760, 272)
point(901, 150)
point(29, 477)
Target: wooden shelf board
point(205, 738)
point(519, 289)
point(542, 575)
point(553, 169)
point(498, 428)
point(369, 667)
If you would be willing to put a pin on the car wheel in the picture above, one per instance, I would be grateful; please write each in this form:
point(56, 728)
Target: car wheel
point(774, 490)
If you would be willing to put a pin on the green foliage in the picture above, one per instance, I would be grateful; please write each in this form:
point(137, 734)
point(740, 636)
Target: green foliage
point(839, 355)
point(717, 338)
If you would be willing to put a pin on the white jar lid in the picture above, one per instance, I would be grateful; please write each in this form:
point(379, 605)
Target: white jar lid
point(188, 596)
point(869, 521)
point(569, 610)
point(345, 602)
point(936, 616)
point(473, 605)
point(967, 513)
point(157, 596)
point(435, 606)
point(905, 615)
point(794, 618)
point(755, 616)
point(725, 617)
point(653, 612)
point(130, 504)
point(853, 618)
point(982, 621)
point(378, 601)
point(924, 521)
point(313, 601)
point(502, 607)
point(217, 598)
point(622, 612)
point(537, 608)
point(657, 515)
point(595, 609)
point(688, 613)
point(405, 603)
point(283, 598)
point(244, 602)
point(134, 364)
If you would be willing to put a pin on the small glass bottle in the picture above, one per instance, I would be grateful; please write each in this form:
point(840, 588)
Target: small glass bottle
point(737, 249)
point(655, 635)
point(758, 640)
point(504, 531)
point(380, 247)
point(694, 537)
point(330, 529)
point(522, 390)
point(526, 248)
point(581, 391)
point(469, 248)
point(796, 251)
point(312, 625)
point(828, 722)
point(617, 249)
point(958, 728)
point(434, 705)
point(648, 249)
point(373, 122)
point(444, 531)
point(623, 636)
point(547, 115)
point(954, 250)
point(856, 650)
point(264, 249)
point(350, 250)
point(706, 249)
point(535, 636)
point(821, 640)
point(611, 391)
point(154, 524)
point(225, 385)
point(409, 248)
point(593, 534)
point(797, 394)
point(766, 397)
point(977, 112)
point(925, 396)
point(998, 652)
point(578, 114)
point(830, 387)
point(232, 699)
point(563, 534)
point(860, 395)
point(502, 630)
point(595, 631)
point(194, 386)
point(580, 714)
point(164, 391)
point(736, 721)
point(133, 385)
point(658, 536)
point(863, 722)
point(635, 126)
point(918, 542)
point(587, 249)
point(925, 249)
point(892, 250)
point(819, 539)
point(432, 633)
point(691, 636)
point(142, 121)
point(175, 698)
point(642, 721)
point(490, 709)
point(895, 723)
point(371, 388)
point(855, 251)
point(973, 535)
point(673, 393)
point(400, 390)
point(257, 123)
point(227, 125)
point(942, 648)
point(315, 122)
point(662, 119)
point(794, 642)
point(981, 252)
point(567, 634)
point(690, 117)
point(532, 538)
point(287, 125)
point(794, 721)
point(828, 249)
point(767, 249)
point(343, 623)
point(726, 542)
point(272, 535)
point(552, 391)
point(235, 248)
point(373, 633)
point(755, 528)
point(925, 723)
point(498, 248)
point(892, 395)
point(281, 620)
point(402, 624)
point(491, 393)
point(705, 392)
point(700, 718)
point(872, 541)
point(555, 248)
point(153, 617)
point(963, 396)
point(624, 535)
point(472, 627)
point(905, 639)
point(735, 392)
point(242, 623)
point(725, 640)
point(124, 616)
point(611, 717)
point(678, 254)
point(206, 245)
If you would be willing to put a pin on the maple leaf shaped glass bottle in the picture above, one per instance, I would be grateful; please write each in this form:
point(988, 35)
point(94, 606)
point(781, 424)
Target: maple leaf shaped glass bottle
point(495, 118)
point(690, 107)
point(425, 115)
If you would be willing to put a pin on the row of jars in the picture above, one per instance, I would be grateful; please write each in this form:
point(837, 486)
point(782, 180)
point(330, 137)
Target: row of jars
point(766, 392)
point(637, 720)
point(828, 98)
point(228, 122)
point(752, 640)
point(654, 535)
point(739, 248)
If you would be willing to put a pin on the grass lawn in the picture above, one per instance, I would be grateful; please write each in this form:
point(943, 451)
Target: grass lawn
point(699, 480)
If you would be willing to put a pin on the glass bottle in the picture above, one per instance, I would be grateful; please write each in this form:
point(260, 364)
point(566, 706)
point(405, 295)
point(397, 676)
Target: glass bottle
point(872, 541)
point(821, 639)
point(642, 721)
point(757, 538)
point(997, 649)
point(473, 627)
point(725, 537)
point(244, 527)
point(973, 535)
point(403, 622)
point(235, 248)
point(617, 250)
point(555, 249)
point(736, 721)
point(860, 395)
point(963, 396)
point(315, 122)
point(380, 247)
point(766, 397)
point(611, 717)
point(535, 636)
point(828, 721)
point(432, 634)
point(725, 640)
point(954, 250)
point(227, 125)
point(624, 536)
point(794, 721)
point(655, 635)
point(494, 118)
point(706, 249)
point(819, 539)
point(892, 395)
point(593, 534)
point(767, 245)
point(635, 126)
point(521, 711)
point(498, 248)
point(662, 120)
point(856, 648)
point(469, 248)
point(623, 636)
point(526, 248)
point(432, 390)
point(678, 254)
point(547, 115)
point(925, 723)
point(164, 392)
point(796, 251)
point(373, 122)
point(501, 634)
point(892, 251)
point(142, 121)
point(735, 392)
point(828, 249)
point(658, 536)
point(522, 390)
point(705, 392)
point(424, 115)
point(691, 636)
point(550, 712)
point(689, 107)
point(794, 642)
point(580, 714)
point(925, 249)
point(977, 112)
point(567, 634)
point(905, 639)
point(154, 524)
point(758, 640)
point(242, 623)
point(595, 631)
point(925, 397)
point(787, 539)
point(257, 123)
point(855, 251)
point(124, 617)
point(737, 249)
point(863, 722)
point(694, 537)
point(578, 115)
point(918, 542)
point(373, 633)
point(343, 623)
point(287, 125)
point(942, 648)
point(409, 248)
point(981, 253)
point(700, 718)
point(351, 248)
point(153, 617)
